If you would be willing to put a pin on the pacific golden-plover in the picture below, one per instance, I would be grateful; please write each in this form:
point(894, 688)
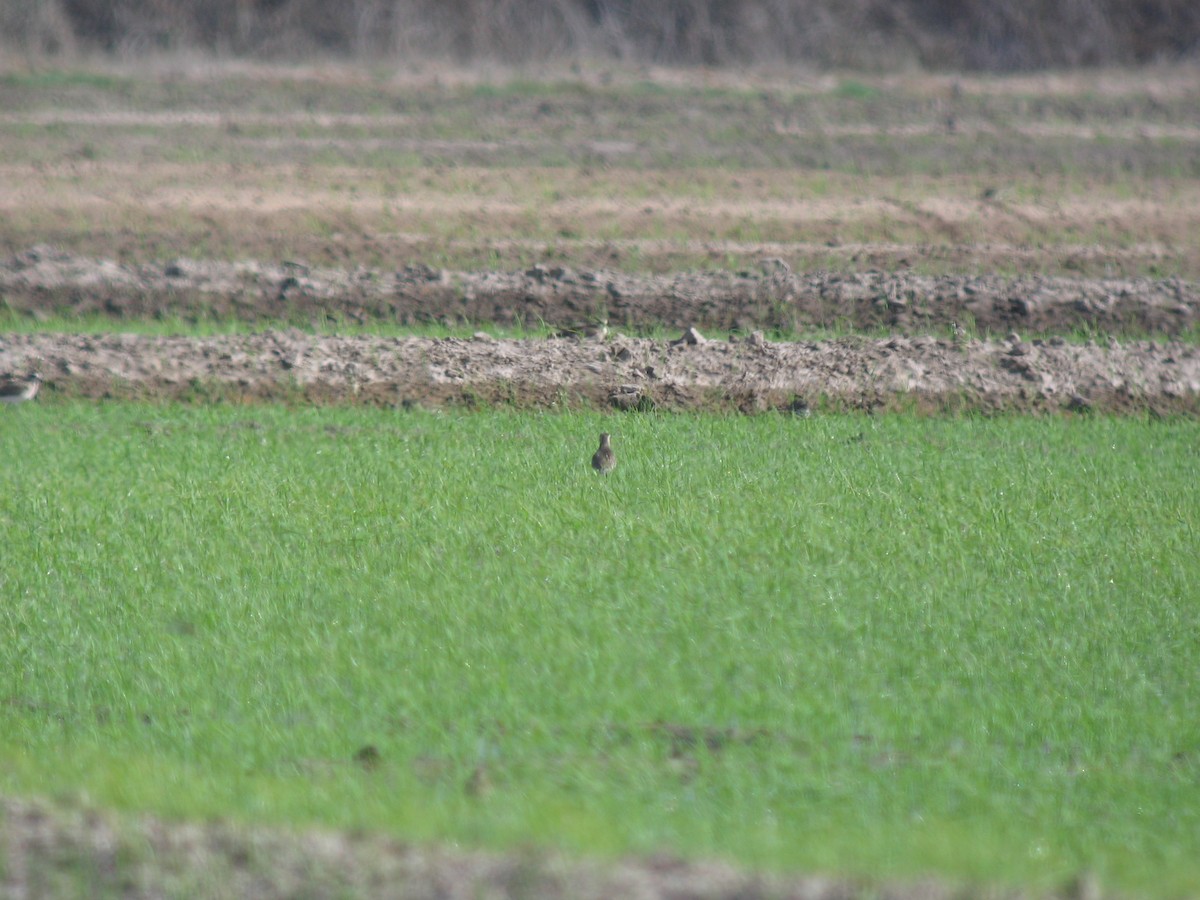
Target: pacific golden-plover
point(604, 460)
point(596, 330)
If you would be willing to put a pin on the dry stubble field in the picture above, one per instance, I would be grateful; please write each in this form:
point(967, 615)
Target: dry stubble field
point(1061, 210)
point(853, 221)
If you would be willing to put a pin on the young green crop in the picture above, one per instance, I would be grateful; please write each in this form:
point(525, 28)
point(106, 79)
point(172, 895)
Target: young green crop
point(884, 646)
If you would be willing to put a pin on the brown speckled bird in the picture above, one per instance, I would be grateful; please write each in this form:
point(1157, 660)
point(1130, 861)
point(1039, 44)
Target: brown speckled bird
point(604, 460)
point(592, 331)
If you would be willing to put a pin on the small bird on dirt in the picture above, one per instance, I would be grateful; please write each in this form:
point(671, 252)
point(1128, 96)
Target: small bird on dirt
point(604, 460)
point(590, 331)
point(18, 390)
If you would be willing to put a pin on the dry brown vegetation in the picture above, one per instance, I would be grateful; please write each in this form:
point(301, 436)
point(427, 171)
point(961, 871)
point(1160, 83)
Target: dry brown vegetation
point(978, 35)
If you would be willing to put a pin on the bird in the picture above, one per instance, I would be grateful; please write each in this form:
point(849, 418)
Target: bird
point(479, 784)
point(18, 390)
point(604, 460)
point(591, 331)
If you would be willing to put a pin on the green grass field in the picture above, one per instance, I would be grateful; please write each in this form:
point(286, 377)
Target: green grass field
point(883, 647)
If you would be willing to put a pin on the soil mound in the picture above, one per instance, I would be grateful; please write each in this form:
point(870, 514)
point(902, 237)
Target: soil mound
point(43, 280)
point(748, 375)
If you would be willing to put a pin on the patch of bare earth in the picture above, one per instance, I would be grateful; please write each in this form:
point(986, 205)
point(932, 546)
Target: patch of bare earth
point(746, 372)
point(770, 296)
point(750, 375)
point(657, 221)
point(50, 851)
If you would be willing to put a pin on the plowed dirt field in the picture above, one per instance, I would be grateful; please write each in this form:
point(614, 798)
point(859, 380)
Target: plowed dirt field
point(924, 364)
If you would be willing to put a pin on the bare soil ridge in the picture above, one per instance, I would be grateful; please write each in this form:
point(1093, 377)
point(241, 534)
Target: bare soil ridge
point(911, 369)
point(772, 297)
point(748, 375)
point(46, 848)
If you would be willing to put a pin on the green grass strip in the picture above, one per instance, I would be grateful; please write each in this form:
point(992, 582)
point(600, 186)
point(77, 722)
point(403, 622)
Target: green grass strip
point(884, 647)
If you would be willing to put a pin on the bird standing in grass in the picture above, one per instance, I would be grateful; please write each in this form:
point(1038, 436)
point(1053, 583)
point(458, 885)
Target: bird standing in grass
point(18, 390)
point(604, 460)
